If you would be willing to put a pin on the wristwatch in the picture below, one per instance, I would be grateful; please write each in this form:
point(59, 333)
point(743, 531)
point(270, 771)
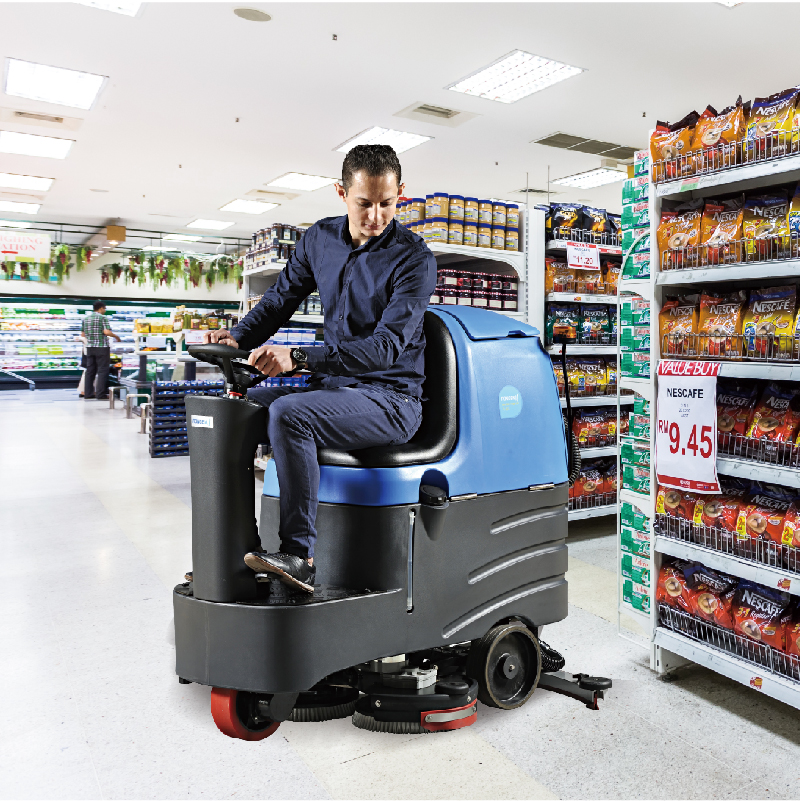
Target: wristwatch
point(300, 358)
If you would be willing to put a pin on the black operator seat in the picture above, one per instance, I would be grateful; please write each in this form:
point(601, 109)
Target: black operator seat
point(438, 431)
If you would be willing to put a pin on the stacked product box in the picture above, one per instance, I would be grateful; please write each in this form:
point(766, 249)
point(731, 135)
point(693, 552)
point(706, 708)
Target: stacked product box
point(635, 449)
point(635, 219)
point(635, 539)
point(634, 324)
point(168, 414)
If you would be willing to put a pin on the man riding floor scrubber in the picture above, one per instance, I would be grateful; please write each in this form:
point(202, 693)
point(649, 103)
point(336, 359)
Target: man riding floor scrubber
point(439, 560)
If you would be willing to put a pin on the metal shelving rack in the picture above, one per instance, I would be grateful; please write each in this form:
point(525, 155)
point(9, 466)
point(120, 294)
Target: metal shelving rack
point(675, 645)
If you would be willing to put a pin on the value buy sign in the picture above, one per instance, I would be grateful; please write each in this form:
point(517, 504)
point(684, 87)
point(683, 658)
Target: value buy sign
point(15, 246)
point(686, 429)
point(583, 256)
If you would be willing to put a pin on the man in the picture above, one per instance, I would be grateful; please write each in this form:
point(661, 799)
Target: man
point(375, 279)
point(95, 330)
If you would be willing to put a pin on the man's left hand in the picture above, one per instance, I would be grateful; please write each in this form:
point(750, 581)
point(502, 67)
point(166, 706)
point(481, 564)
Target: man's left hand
point(272, 360)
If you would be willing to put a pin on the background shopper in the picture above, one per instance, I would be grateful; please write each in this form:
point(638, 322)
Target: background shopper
point(95, 330)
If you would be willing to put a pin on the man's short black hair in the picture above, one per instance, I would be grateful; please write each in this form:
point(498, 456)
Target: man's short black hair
point(98, 304)
point(374, 160)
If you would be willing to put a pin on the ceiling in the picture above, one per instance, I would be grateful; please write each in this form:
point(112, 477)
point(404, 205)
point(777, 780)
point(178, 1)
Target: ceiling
point(163, 139)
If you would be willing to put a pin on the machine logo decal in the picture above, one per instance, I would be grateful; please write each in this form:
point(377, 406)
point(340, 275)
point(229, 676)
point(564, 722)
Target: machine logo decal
point(199, 421)
point(510, 402)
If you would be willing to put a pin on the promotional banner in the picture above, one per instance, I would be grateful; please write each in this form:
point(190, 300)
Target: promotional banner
point(583, 256)
point(686, 430)
point(16, 246)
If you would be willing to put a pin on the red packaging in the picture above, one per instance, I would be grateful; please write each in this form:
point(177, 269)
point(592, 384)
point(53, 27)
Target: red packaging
point(610, 482)
point(735, 403)
point(589, 481)
point(792, 634)
point(671, 589)
point(676, 503)
point(589, 425)
point(777, 415)
point(766, 513)
point(710, 595)
point(760, 614)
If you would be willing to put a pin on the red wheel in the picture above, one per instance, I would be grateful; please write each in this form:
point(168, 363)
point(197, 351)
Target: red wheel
point(236, 714)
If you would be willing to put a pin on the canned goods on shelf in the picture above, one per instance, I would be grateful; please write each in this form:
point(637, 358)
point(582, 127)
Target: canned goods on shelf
point(449, 295)
point(427, 230)
point(471, 234)
point(480, 282)
point(455, 232)
point(438, 230)
point(512, 239)
point(496, 300)
point(447, 278)
point(464, 296)
point(456, 209)
point(484, 236)
point(416, 209)
point(512, 215)
point(480, 298)
point(499, 215)
point(499, 238)
point(509, 301)
point(471, 210)
point(495, 283)
point(509, 284)
point(436, 299)
point(428, 207)
point(485, 212)
point(464, 280)
point(441, 204)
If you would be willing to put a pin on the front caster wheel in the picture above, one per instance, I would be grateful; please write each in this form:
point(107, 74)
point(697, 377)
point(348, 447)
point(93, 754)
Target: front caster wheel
point(236, 714)
point(507, 663)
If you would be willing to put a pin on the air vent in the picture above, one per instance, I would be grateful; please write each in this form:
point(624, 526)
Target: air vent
point(28, 115)
point(437, 111)
point(584, 145)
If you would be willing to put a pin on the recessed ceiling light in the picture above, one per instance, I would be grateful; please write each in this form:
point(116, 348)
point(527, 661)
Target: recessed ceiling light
point(514, 76)
point(98, 190)
point(12, 181)
point(399, 140)
point(210, 225)
point(14, 224)
point(252, 14)
point(248, 207)
point(301, 181)
point(592, 178)
point(130, 8)
point(30, 145)
point(181, 238)
point(19, 208)
point(52, 84)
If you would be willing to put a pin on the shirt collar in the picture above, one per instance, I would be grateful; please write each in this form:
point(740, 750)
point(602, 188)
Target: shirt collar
point(373, 241)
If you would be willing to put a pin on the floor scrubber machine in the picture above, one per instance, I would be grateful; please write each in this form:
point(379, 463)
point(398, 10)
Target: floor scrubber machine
point(438, 561)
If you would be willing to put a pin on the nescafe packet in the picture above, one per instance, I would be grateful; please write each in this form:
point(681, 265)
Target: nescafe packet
point(590, 479)
point(769, 320)
point(589, 425)
point(792, 634)
point(563, 322)
point(595, 324)
point(735, 402)
point(676, 503)
point(769, 128)
point(720, 228)
point(671, 588)
point(793, 218)
point(765, 218)
point(710, 594)
point(777, 414)
point(766, 513)
point(721, 323)
point(761, 614)
point(677, 320)
point(610, 482)
point(669, 142)
point(595, 377)
point(558, 277)
point(715, 130)
point(595, 220)
point(565, 216)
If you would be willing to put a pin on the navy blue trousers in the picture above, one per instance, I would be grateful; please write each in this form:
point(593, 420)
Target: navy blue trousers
point(301, 420)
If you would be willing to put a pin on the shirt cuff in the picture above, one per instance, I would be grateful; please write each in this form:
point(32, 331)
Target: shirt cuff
point(317, 358)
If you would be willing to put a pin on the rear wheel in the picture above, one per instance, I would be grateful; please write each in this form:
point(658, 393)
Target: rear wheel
point(236, 714)
point(506, 662)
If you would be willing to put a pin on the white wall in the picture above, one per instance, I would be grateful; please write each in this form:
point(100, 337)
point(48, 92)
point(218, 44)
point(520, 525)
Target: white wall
point(87, 284)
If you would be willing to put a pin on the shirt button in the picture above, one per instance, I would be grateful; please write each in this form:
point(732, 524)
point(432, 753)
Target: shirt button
point(341, 317)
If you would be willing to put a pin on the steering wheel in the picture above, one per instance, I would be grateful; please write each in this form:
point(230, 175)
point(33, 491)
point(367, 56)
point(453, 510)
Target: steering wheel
point(239, 375)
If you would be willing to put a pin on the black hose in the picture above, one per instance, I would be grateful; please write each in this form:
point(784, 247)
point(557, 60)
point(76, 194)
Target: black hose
point(574, 451)
point(552, 661)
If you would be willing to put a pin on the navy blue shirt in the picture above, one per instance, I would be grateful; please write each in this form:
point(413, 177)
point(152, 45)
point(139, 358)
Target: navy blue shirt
point(374, 298)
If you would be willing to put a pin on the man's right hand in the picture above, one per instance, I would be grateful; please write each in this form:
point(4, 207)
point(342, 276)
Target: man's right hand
point(220, 336)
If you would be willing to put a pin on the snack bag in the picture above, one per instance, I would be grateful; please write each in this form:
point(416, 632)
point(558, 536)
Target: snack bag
point(590, 479)
point(669, 143)
point(769, 320)
point(611, 376)
point(611, 271)
point(792, 634)
point(766, 513)
point(676, 503)
point(736, 400)
point(590, 427)
point(595, 221)
point(723, 244)
point(671, 588)
point(576, 377)
point(595, 324)
point(720, 324)
point(663, 236)
point(677, 320)
point(594, 371)
point(793, 220)
point(715, 520)
point(715, 134)
point(558, 277)
point(615, 223)
point(760, 614)
point(563, 322)
point(565, 218)
point(710, 595)
point(559, 374)
point(610, 482)
point(624, 421)
point(764, 225)
point(769, 129)
point(777, 415)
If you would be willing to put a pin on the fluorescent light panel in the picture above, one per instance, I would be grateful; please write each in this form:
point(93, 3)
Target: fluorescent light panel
point(399, 140)
point(181, 238)
point(52, 84)
point(24, 144)
point(591, 178)
point(19, 208)
point(130, 8)
point(301, 181)
point(11, 181)
point(248, 207)
point(514, 76)
point(14, 224)
point(210, 225)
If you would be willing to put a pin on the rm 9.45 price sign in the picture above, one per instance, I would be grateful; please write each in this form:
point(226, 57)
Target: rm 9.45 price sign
point(686, 426)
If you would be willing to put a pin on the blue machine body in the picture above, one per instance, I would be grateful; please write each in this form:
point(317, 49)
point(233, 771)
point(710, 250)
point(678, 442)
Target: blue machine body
point(510, 428)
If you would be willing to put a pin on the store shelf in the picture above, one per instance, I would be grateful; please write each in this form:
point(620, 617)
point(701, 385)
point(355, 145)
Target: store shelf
point(773, 577)
point(637, 286)
point(567, 297)
point(755, 174)
point(275, 267)
point(598, 400)
point(514, 258)
point(766, 370)
point(642, 386)
point(596, 453)
point(595, 511)
point(585, 350)
point(637, 499)
point(561, 245)
point(744, 672)
point(758, 471)
point(787, 268)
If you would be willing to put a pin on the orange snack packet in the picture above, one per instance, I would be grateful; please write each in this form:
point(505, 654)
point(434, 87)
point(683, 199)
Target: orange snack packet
point(558, 277)
point(676, 321)
point(721, 323)
point(776, 417)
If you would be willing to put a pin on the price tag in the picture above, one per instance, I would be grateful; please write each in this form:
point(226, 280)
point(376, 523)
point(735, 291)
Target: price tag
point(193, 337)
point(582, 256)
point(686, 429)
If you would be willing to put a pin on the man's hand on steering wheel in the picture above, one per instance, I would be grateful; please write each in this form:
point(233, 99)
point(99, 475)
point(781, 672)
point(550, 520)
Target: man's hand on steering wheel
point(272, 360)
point(222, 336)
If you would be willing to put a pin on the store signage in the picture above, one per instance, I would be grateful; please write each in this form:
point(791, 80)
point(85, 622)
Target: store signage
point(193, 337)
point(15, 246)
point(583, 256)
point(686, 430)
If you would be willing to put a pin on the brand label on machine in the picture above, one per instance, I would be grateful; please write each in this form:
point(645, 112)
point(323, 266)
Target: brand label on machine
point(510, 402)
point(201, 421)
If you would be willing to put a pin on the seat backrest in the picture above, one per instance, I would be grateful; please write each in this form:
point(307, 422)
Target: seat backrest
point(438, 431)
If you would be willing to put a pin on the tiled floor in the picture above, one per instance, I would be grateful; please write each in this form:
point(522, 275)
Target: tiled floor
point(94, 534)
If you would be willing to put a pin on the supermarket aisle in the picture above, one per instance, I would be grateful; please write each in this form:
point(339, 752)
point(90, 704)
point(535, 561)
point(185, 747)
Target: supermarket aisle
point(94, 534)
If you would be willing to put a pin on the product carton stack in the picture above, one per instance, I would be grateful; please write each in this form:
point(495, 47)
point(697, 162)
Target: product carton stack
point(636, 219)
point(635, 546)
